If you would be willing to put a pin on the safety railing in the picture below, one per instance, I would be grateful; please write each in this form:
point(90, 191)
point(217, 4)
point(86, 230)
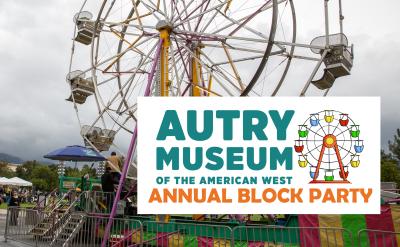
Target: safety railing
point(290, 236)
point(186, 234)
point(35, 228)
point(20, 223)
point(375, 238)
point(55, 202)
point(47, 201)
point(124, 232)
point(96, 202)
point(38, 227)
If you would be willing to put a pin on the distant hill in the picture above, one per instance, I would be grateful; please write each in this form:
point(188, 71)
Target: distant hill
point(10, 158)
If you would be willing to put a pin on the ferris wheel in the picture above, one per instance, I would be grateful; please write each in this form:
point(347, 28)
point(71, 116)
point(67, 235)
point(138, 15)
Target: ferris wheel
point(329, 143)
point(123, 49)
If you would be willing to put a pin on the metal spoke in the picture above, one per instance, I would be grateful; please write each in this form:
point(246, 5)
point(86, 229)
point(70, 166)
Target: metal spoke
point(220, 37)
point(195, 16)
point(206, 68)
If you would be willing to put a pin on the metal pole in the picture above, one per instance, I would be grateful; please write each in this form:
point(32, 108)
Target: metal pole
point(153, 68)
point(39, 216)
point(341, 18)
point(326, 23)
point(7, 220)
point(164, 63)
point(195, 71)
point(326, 92)
point(303, 92)
point(120, 185)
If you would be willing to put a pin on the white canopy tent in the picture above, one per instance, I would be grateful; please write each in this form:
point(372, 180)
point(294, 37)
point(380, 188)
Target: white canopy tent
point(15, 181)
point(20, 182)
point(5, 181)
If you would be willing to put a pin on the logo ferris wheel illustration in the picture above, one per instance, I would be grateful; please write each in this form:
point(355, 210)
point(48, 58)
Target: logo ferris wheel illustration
point(329, 143)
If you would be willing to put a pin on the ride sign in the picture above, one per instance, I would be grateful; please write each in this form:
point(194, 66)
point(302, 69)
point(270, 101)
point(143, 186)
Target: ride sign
point(258, 155)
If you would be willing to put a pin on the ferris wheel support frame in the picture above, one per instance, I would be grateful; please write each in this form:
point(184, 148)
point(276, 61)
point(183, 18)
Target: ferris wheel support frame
point(163, 60)
point(329, 141)
point(196, 72)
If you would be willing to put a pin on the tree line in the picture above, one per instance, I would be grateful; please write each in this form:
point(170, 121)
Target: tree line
point(390, 161)
point(43, 177)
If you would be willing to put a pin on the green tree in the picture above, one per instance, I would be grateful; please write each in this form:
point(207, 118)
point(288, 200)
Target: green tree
point(87, 170)
point(394, 146)
point(44, 178)
point(75, 172)
point(72, 172)
point(26, 170)
point(53, 168)
point(40, 184)
point(386, 156)
point(5, 171)
point(390, 171)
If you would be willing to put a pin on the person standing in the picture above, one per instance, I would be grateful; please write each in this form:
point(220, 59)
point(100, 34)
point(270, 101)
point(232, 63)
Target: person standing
point(1, 195)
point(14, 202)
point(107, 185)
point(114, 162)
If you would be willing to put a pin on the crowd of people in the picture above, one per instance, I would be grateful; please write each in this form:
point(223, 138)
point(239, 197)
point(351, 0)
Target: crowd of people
point(15, 196)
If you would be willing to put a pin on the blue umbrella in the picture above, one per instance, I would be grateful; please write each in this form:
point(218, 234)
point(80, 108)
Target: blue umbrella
point(75, 153)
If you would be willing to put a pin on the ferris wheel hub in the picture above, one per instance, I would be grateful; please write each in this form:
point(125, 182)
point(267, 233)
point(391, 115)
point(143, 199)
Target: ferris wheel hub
point(329, 141)
point(164, 25)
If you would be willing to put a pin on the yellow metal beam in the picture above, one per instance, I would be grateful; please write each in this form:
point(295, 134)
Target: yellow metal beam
point(164, 66)
point(197, 71)
point(228, 4)
point(206, 90)
point(209, 84)
point(196, 74)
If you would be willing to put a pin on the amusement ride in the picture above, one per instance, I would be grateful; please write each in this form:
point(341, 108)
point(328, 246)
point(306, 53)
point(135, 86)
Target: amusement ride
point(123, 49)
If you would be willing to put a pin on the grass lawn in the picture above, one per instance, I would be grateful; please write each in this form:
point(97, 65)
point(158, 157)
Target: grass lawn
point(24, 205)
